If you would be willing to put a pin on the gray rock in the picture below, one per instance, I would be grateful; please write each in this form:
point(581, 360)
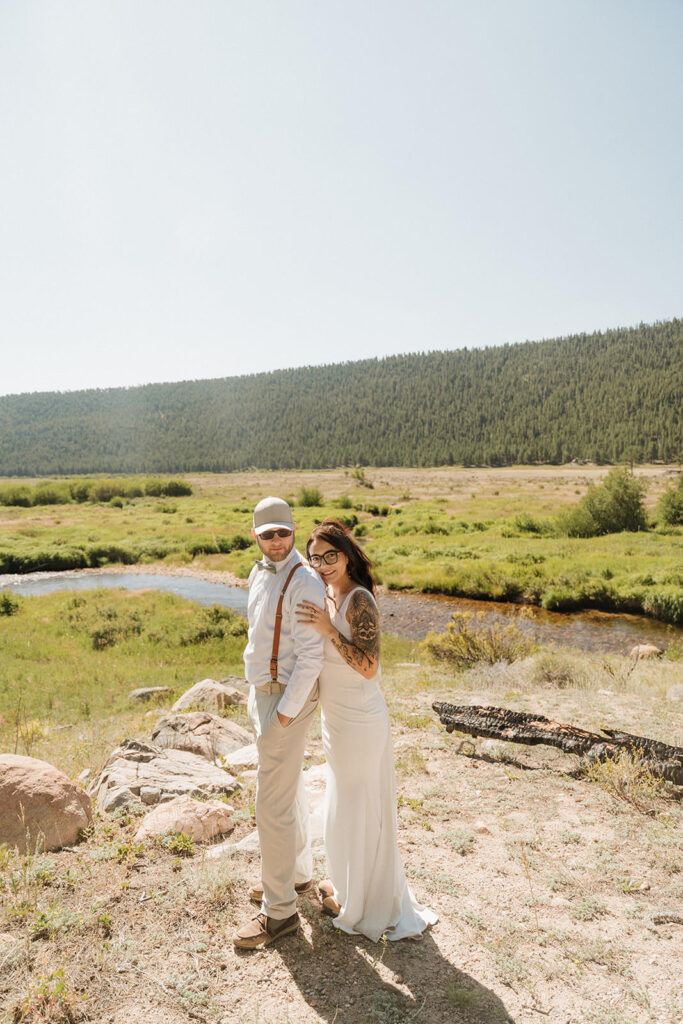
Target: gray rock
point(40, 808)
point(210, 695)
point(147, 692)
point(200, 733)
point(138, 772)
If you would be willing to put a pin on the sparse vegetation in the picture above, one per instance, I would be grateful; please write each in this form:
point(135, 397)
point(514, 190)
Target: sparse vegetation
point(468, 641)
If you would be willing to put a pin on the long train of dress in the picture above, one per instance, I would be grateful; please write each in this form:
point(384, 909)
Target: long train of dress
point(360, 804)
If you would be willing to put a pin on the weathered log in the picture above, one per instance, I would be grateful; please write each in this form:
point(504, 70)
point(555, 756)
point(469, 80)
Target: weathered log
point(663, 760)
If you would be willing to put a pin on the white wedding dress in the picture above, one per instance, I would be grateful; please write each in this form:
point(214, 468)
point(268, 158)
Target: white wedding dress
point(366, 869)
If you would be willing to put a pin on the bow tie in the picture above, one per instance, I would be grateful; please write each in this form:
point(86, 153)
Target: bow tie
point(268, 566)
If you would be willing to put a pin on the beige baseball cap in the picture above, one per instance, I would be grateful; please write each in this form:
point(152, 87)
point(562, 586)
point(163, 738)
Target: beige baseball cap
point(272, 514)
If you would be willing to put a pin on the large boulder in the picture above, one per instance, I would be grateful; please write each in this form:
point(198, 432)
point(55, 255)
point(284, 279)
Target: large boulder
point(200, 733)
point(211, 695)
point(40, 808)
point(641, 651)
point(138, 772)
point(243, 759)
point(199, 819)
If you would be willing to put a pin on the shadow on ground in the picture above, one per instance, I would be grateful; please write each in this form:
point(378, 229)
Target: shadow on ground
point(340, 977)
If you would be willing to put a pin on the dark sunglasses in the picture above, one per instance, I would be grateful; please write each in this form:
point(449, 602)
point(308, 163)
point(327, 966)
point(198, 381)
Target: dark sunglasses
point(269, 534)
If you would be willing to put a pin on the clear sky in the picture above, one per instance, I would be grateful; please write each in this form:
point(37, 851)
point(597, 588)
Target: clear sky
point(203, 188)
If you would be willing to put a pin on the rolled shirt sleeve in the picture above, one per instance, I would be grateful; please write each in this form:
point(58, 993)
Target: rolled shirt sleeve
point(307, 643)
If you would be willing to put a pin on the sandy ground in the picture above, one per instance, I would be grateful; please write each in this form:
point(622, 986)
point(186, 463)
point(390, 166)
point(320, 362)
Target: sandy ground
point(557, 901)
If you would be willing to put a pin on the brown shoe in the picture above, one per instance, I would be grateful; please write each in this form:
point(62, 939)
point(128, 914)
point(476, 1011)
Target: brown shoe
point(329, 903)
point(302, 889)
point(262, 930)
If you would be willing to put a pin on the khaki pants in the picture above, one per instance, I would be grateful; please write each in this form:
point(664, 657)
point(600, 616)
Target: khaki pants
point(281, 801)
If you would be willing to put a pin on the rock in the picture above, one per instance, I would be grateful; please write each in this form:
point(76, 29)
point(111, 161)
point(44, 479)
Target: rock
point(208, 694)
point(36, 798)
point(199, 819)
point(315, 779)
point(641, 651)
point(245, 757)
point(84, 776)
point(675, 692)
point(200, 733)
point(138, 772)
point(481, 828)
point(147, 692)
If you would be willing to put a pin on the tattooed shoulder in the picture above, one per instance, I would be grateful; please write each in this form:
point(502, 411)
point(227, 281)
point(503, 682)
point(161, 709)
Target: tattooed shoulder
point(363, 618)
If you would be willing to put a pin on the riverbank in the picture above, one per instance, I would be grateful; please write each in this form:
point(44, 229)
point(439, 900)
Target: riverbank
point(474, 534)
point(409, 616)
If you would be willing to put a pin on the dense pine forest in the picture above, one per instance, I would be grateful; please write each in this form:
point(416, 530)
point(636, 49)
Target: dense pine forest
point(604, 397)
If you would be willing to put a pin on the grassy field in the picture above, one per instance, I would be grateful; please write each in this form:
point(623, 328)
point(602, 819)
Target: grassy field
point(558, 891)
point(487, 534)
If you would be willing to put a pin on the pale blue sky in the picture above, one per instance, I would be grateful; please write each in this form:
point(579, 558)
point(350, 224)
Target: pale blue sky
point(208, 188)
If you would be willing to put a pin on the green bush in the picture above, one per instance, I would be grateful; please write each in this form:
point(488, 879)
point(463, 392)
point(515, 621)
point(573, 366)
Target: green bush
point(468, 641)
point(309, 497)
point(214, 623)
point(8, 604)
point(670, 505)
point(613, 506)
point(13, 494)
point(51, 494)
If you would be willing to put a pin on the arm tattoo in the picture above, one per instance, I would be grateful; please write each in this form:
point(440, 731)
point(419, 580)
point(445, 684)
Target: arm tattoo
point(362, 650)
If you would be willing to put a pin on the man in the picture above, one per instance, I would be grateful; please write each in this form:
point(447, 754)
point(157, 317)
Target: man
point(282, 665)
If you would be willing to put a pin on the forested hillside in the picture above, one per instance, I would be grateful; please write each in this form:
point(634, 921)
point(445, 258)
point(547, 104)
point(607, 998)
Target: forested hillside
point(605, 397)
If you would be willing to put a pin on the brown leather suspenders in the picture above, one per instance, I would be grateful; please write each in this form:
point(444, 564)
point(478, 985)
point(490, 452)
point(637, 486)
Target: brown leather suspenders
point(278, 626)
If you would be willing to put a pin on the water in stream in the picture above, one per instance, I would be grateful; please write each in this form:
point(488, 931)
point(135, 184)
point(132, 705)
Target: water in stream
point(407, 615)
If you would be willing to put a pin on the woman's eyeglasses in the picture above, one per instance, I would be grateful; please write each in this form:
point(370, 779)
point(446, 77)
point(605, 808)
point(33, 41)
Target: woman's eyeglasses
point(329, 558)
point(269, 534)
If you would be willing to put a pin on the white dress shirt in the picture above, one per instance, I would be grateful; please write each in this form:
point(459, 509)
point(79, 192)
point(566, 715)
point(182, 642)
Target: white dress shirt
point(300, 657)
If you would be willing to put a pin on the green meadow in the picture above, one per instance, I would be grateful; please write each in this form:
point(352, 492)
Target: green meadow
point(483, 534)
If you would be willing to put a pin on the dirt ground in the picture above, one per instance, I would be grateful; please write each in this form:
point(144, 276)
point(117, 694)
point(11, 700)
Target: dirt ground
point(557, 901)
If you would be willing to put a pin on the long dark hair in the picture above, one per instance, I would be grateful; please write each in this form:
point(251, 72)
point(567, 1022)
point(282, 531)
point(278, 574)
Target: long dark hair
point(359, 565)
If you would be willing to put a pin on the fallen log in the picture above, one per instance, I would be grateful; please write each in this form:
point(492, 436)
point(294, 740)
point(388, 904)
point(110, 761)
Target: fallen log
point(663, 760)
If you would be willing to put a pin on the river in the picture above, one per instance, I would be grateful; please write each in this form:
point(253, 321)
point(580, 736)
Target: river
point(407, 615)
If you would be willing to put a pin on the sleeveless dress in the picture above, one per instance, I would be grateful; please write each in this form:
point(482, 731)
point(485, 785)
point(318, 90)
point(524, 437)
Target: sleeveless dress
point(366, 869)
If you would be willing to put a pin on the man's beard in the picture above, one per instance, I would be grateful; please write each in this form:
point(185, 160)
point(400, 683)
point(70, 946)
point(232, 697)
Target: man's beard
point(281, 556)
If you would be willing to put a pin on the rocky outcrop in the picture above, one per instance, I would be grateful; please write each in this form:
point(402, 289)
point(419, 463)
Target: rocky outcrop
point(40, 808)
point(141, 773)
point(200, 733)
point(210, 695)
point(199, 819)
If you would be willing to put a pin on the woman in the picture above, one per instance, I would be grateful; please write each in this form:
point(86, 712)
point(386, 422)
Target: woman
point(367, 891)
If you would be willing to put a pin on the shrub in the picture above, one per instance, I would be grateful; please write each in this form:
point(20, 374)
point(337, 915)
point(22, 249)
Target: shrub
point(16, 495)
point(309, 497)
point(670, 505)
point(51, 494)
point(553, 668)
point(177, 488)
point(214, 623)
point(468, 640)
point(613, 506)
point(8, 604)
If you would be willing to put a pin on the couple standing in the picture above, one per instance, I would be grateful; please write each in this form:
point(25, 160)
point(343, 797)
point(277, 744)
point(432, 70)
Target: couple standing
point(314, 635)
